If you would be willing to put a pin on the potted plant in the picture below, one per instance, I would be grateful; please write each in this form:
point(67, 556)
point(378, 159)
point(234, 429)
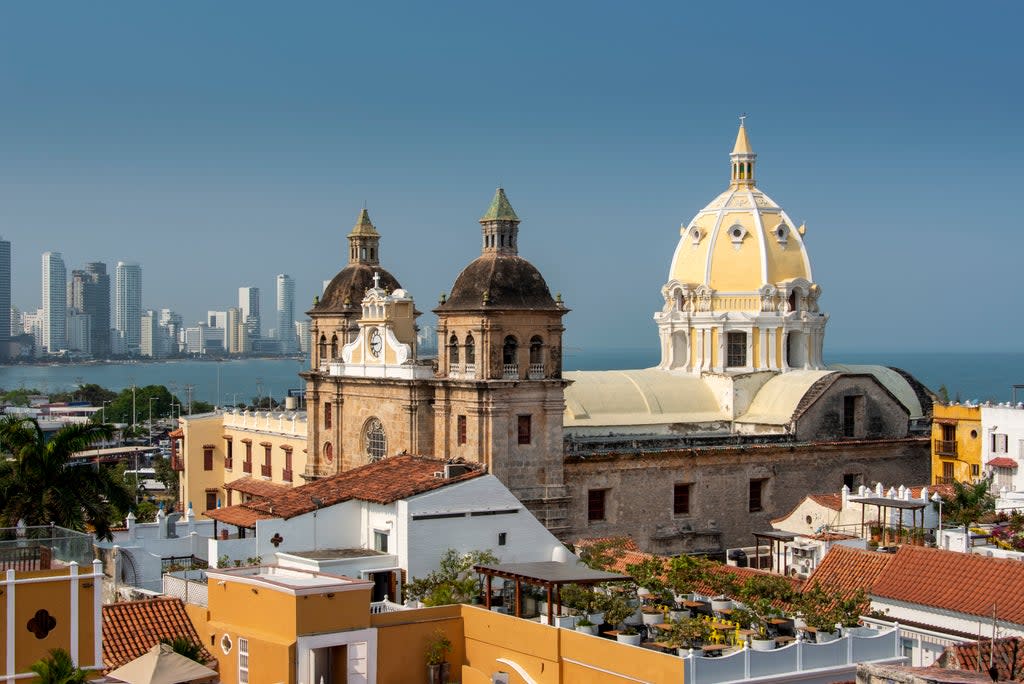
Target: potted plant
point(726, 585)
point(760, 595)
point(616, 612)
point(686, 633)
point(817, 608)
point(585, 625)
point(438, 666)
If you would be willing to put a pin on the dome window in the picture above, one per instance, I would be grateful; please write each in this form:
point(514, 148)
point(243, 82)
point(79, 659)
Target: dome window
point(696, 235)
point(736, 234)
point(782, 233)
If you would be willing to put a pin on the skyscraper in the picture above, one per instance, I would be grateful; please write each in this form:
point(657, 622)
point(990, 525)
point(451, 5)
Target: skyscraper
point(128, 305)
point(89, 293)
point(249, 303)
point(55, 302)
point(286, 313)
point(5, 289)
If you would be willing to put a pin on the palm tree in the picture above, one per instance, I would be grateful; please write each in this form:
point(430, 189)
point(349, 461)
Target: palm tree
point(41, 484)
point(57, 668)
point(969, 503)
point(184, 646)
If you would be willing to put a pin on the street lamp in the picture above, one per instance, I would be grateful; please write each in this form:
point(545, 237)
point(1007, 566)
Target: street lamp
point(938, 531)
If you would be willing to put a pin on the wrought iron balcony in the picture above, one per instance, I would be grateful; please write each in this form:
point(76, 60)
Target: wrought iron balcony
point(945, 447)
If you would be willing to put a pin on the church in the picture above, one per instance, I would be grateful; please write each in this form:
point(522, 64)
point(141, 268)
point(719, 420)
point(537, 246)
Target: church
point(740, 419)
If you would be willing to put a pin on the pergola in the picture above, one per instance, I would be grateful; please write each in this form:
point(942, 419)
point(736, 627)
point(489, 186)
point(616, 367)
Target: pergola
point(548, 574)
point(884, 504)
point(774, 539)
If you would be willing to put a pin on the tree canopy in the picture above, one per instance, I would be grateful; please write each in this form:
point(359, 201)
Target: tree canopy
point(969, 503)
point(41, 484)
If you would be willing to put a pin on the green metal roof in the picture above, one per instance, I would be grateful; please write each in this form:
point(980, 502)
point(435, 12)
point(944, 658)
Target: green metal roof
point(500, 209)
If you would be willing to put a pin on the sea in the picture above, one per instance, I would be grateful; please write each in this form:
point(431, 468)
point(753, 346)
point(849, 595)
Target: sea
point(966, 376)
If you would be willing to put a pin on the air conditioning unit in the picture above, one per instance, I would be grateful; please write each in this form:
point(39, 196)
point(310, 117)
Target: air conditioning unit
point(439, 474)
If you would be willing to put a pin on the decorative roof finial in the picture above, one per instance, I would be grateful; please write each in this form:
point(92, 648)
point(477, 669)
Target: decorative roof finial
point(743, 118)
point(376, 280)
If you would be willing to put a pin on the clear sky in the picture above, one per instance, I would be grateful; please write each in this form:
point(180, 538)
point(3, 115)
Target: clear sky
point(219, 144)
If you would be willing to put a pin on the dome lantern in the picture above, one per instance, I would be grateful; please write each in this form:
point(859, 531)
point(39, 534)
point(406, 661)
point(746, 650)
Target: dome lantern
point(743, 158)
point(364, 241)
point(500, 227)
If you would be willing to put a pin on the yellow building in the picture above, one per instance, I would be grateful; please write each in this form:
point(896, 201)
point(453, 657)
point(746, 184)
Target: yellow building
point(230, 454)
point(48, 601)
point(956, 443)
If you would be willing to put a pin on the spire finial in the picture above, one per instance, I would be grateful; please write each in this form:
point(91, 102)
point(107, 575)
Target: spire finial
point(376, 280)
point(743, 118)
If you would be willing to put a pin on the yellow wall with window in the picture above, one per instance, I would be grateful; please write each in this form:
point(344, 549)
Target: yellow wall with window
point(956, 443)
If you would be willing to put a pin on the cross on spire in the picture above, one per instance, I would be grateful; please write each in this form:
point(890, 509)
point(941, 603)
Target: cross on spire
point(376, 280)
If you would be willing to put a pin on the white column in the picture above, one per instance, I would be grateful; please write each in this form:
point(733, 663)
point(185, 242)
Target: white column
point(73, 619)
point(9, 586)
point(765, 364)
point(771, 349)
point(750, 349)
point(97, 612)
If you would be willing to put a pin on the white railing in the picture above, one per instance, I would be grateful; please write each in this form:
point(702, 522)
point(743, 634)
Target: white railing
point(188, 590)
point(385, 606)
point(536, 371)
point(510, 371)
point(470, 370)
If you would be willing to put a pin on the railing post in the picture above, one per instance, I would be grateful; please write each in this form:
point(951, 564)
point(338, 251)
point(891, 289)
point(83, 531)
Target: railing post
point(746, 661)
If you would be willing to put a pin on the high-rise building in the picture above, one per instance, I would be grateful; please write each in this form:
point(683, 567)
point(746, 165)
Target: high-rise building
point(79, 327)
point(55, 302)
point(89, 293)
point(128, 305)
point(249, 303)
point(150, 342)
point(286, 313)
point(302, 335)
point(5, 289)
point(237, 334)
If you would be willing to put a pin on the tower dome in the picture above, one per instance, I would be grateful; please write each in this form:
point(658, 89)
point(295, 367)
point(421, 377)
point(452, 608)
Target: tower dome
point(741, 296)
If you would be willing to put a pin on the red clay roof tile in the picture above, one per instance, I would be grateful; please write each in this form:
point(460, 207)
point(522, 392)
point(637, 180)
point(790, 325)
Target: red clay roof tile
point(131, 628)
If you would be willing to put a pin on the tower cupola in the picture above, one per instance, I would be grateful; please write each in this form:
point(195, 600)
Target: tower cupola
point(364, 241)
point(743, 159)
point(500, 227)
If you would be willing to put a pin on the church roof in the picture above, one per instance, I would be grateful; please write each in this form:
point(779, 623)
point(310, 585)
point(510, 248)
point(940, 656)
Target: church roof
point(349, 286)
point(638, 397)
point(742, 145)
point(778, 400)
point(364, 226)
point(499, 281)
point(892, 380)
point(500, 209)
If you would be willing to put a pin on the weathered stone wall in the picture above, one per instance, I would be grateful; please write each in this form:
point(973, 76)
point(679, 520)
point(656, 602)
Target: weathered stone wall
point(879, 414)
point(639, 487)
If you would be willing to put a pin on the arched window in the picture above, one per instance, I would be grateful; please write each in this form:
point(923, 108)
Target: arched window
point(453, 351)
point(792, 300)
point(323, 347)
point(536, 350)
point(470, 349)
point(508, 351)
point(334, 346)
point(375, 440)
point(328, 452)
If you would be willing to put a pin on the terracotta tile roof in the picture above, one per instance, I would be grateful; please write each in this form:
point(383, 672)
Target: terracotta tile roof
point(131, 628)
point(176, 434)
point(383, 482)
point(830, 501)
point(1007, 656)
point(846, 570)
point(1002, 462)
point(960, 582)
point(254, 487)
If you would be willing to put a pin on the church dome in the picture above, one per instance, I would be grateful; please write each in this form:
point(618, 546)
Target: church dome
point(499, 282)
point(347, 289)
point(742, 241)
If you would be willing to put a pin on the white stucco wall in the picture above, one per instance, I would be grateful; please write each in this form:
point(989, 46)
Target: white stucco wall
point(1006, 420)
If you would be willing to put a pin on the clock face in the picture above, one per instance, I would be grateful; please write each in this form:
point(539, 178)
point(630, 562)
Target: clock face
point(375, 342)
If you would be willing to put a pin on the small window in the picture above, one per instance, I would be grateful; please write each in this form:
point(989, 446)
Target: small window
point(536, 351)
point(999, 443)
point(211, 499)
point(207, 458)
point(974, 434)
point(375, 439)
point(681, 498)
point(948, 433)
point(851, 412)
point(328, 415)
point(334, 346)
point(595, 504)
point(736, 349)
point(470, 349)
point(502, 538)
point(509, 351)
point(524, 430)
point(756, 501)
point(243, 660)
point(461, 429)
point(380, 541)
point(453, 351)
point(975, 470)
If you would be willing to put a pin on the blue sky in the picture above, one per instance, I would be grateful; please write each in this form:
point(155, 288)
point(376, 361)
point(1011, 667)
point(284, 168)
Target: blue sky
point(219, 144)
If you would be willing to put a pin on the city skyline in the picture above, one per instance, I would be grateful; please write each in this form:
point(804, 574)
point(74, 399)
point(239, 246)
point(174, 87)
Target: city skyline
point(884, 144)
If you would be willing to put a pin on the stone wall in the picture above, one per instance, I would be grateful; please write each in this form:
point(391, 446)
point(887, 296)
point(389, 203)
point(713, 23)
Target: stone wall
point(639, 487)
point(878, 414)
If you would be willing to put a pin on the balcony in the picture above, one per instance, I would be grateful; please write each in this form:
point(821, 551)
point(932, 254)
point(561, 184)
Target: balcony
point(945, 447)
point(944, 480)
point(265, 470)
point(536, 371)
point(228, 463)
point(510, 371)
point(178, 463)
point(247, 467)
point(286, 475)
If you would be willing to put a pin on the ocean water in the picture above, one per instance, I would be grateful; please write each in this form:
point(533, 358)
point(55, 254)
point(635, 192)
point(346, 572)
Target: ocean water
point(981, 377)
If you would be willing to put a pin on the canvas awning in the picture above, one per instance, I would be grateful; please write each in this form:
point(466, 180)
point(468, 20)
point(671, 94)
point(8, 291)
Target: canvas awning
point(161, 665)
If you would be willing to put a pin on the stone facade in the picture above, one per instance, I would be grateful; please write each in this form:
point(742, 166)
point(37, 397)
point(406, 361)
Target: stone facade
point(640, 487)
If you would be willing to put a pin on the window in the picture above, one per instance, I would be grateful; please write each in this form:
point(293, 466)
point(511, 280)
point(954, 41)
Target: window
point(211, 499)
point(265, 468)
point(502, 538)
point(852, 408)
point(334, 346)
point(286, 474)
point(375, 440)
point(947, 472)
point(380, 541)
point(328, 452)
point(975, 470)
point(524, 429)
point(229, 459)
point(595, 504)
point(461, 429)
point(756, 500)
point(470, 349)
point(243, 661)
point(681, 498)
point(948, 432)
point(453, 351)
point(736, 349)
point(851, 481)
point(327, 415)
point(323, 347)
point(247, 466)
point(509, 351)
point(999, 443)
point(208, 457)
point(536, 351)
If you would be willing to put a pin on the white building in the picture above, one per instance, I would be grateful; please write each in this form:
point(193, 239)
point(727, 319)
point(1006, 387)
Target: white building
point(5, 289)
point(1002, 448)
point(128, 305)
point(400, 513)
point(302, 337)
point(286, 313)
point(79, 327)
point(55, 293)
point(249, 303)
point(151, 342)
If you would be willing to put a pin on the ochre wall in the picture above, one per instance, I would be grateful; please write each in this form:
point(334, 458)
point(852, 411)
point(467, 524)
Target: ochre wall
point(402, 639)
point(967, 419)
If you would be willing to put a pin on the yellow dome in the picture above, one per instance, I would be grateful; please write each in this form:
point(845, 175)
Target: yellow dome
point(742, 240)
